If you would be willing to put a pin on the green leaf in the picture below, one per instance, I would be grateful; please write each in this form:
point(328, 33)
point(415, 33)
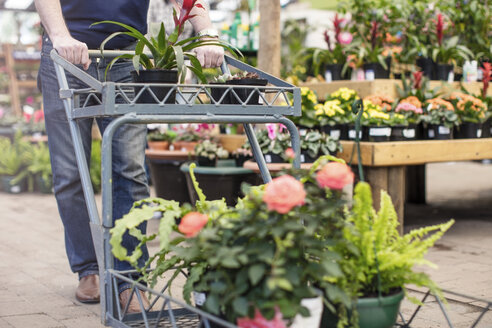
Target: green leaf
point(136, 62)
point(255, 273)
point(212, 304)
point(240, 306)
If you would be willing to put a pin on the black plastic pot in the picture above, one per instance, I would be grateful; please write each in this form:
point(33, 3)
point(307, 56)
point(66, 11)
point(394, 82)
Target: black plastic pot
point(7, 186)
point(378, 133)
point(426, 65)
point(377, 69)
point(443, 71)
point(44, 187)
point(273, 158)
point(217, 94)
point(155, 76)
point(351, 133)
point(306, 158)
point(403, 132)
point(205, 161)
point(486, 129)
point(333, 72)
point(244, 93)
point(338, 131)
point(169, 182)
point(468, 130)
point(240, 159)
point(439, 132)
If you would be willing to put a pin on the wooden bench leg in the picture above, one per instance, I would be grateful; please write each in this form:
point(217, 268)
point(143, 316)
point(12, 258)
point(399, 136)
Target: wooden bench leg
point(392, 180)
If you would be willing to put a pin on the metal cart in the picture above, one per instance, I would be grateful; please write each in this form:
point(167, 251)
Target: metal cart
point(119, 100)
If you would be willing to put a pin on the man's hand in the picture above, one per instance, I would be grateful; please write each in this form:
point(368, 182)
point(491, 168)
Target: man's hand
point(72, 50)
point(210, 56)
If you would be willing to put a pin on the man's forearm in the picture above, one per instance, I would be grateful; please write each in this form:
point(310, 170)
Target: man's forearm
point(51, 16)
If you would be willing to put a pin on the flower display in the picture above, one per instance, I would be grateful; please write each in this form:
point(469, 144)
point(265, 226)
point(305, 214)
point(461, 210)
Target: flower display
point(344, 94)
point(412, 100)
point(284, 193)
point(438, 103)
point(335, 176)
point(192, 223)
point(406, 107)
point(469, 108)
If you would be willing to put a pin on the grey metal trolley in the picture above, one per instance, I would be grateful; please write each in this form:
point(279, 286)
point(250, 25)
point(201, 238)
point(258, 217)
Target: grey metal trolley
point(118, 100)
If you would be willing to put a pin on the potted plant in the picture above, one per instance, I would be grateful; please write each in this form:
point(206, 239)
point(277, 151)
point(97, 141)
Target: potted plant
point(440, 118)
point(40, 168)
point(186, 139)
point(411, 109)
point(235, 95)
point(242, 154)
point(207, 152)
point(168, 53)
point(315, 144)
point(258, 260)
point(308, 119)
point(15, 158)
point(333, 60)
point(273, 143)
point(471, 111)
point(447, 52)
point(160, 140)
point(376, 123)
point(377, 262)
point(333, 118)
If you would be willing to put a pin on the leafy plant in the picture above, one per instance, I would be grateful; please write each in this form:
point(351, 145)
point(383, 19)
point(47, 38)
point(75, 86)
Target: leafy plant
point(469, 108)
point(168, 135)
point(15, 158)
point(273, 142)
point(449, 50)
point(262, 255)
point(168, 52)
point(40, 163)
point(440, 112)
point(210, 150)
point(317, 144)
point(378, 259)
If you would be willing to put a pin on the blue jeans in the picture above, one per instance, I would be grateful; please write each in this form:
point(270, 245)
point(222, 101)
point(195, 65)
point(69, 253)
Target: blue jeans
point(129, 177)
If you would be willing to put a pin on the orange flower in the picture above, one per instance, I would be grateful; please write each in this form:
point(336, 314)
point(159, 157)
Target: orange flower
point(284, 193)
point(413, 101)
point(381, 100)
point(335, 176)
point(192, 223)
point(436, 103)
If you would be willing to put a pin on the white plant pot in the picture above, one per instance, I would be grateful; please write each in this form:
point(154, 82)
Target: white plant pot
point(315, 307)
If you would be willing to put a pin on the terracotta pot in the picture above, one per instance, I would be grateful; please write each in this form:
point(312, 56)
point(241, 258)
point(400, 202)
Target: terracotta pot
point(158, 145)
point(188, 146)
point(231, 142)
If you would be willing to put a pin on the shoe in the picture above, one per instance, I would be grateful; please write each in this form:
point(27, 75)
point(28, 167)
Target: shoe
point(88, 289)
point(134, 306)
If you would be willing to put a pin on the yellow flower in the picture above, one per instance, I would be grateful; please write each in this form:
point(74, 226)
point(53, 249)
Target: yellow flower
point(332, 107)
point(319, 109)
point(304, 91)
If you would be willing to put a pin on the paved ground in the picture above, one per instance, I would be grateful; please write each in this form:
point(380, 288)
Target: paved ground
point(37, 287)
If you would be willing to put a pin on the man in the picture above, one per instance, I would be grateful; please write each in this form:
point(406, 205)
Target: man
point(67, 25)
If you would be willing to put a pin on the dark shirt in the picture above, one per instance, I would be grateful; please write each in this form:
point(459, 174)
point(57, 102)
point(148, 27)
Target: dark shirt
point(80, 14)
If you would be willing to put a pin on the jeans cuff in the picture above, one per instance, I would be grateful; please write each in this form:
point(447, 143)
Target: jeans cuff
point(88, 273)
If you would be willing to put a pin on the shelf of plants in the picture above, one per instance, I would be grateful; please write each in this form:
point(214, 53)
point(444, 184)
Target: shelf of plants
point(155, 103)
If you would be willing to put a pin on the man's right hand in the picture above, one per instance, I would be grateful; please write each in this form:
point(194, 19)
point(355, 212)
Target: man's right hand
point(72, 50)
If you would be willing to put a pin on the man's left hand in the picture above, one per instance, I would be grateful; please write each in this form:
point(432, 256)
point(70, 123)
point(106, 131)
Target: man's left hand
point(210, 56)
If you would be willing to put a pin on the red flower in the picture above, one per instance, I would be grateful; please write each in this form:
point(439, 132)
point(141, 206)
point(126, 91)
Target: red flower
point(284, 193)
point(417, 79)
point(374, 33)
point(184, 14)
point(260, 322)
point(439, 28)
point(335, 176)
point(487, 75)
point(327, 40)
point(337, 24)
point(192, 223)
point(27, 117)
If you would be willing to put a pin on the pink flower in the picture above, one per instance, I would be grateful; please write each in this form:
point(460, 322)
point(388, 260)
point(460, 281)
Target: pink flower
point(29, 100)
point(439, 28)
point(272, 131)
point(27, 117)
point(335, 176)
point(192, 223)
point(345, 38)
point(289, 152)
point(284, 193)
point(260, 322)
point(407, 107)
point(487, 75)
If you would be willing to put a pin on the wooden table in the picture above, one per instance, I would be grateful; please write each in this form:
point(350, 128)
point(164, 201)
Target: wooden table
point(385, 163)
point(171, 155)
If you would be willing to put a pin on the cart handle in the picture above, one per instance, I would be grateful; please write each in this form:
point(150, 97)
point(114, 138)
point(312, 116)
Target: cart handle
point(97, 85)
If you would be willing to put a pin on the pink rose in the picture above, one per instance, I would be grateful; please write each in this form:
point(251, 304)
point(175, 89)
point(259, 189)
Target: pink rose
point(192, 223)
point(260, 322)
point(335, 176)
point(284, 193)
